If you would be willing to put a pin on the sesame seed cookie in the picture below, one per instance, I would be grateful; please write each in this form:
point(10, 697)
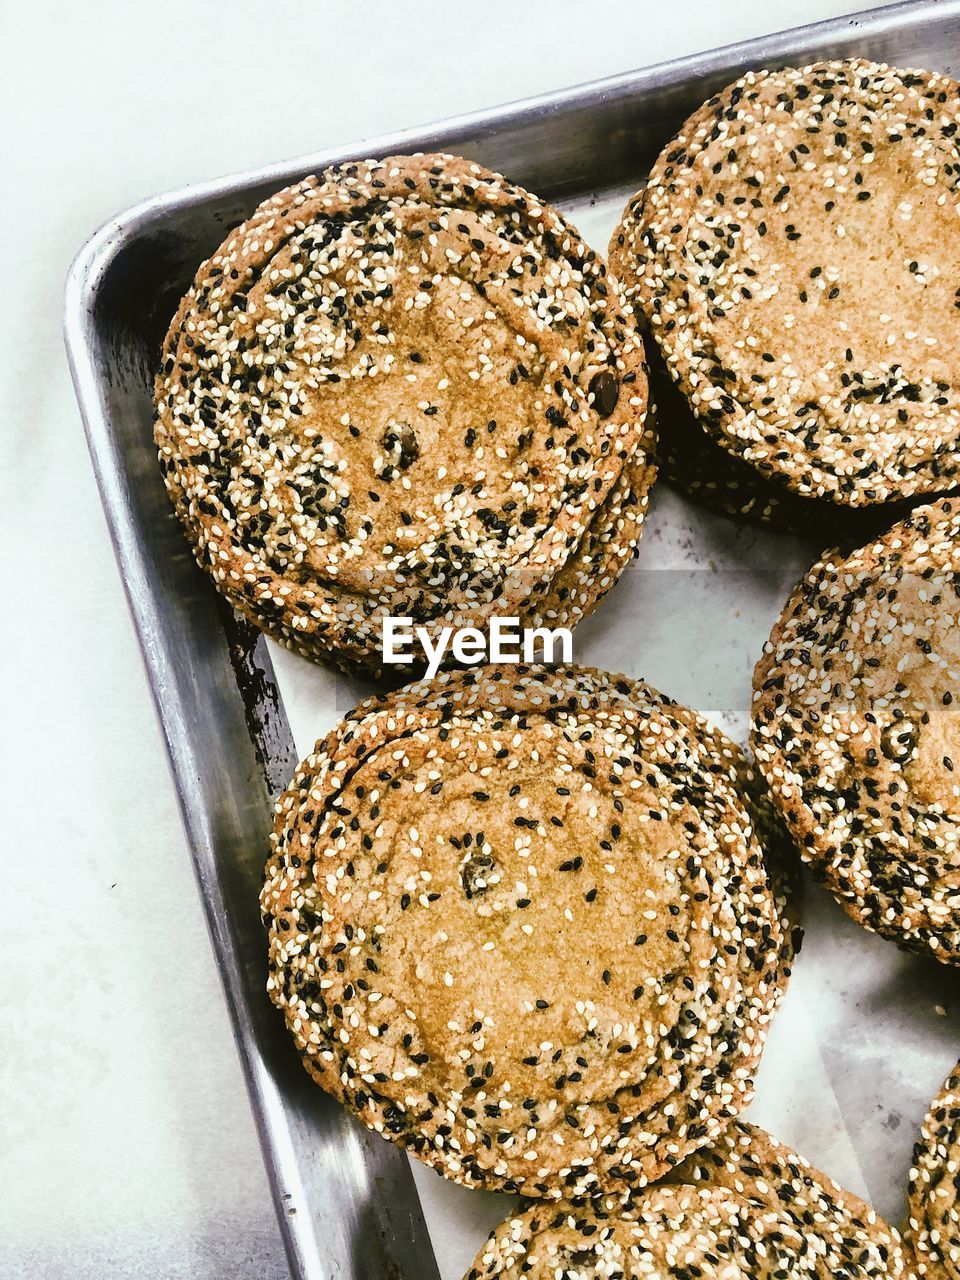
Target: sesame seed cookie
point(520, 922)
point(857, 726)
point(794, 256)
point(750, 1207)
point(934, 1214)
point(403, 387)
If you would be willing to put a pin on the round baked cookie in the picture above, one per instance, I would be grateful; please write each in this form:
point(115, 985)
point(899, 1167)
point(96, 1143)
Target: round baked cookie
point(857, 728)
point(934, 1218)
point(403, 387)
point(794, 256)
point(750, 1208)
point(520, 922)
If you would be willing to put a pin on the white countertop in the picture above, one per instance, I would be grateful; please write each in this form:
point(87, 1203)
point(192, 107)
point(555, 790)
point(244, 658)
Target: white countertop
point(127, 1146)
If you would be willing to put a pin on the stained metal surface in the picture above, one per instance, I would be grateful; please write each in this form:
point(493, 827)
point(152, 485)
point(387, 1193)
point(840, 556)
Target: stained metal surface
point(345, 1199)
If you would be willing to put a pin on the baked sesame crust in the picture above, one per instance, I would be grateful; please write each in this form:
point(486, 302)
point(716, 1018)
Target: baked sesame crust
point(750, 1161)
point(608, 545)
point(521, 923)
point(748, 1207)
point(856, 727)
point(690, 460)
point(933, 1226)
point(402, 387)
point(794, 255)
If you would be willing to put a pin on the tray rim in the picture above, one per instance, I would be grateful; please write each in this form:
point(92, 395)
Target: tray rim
point(96, 253)
point(92, 263)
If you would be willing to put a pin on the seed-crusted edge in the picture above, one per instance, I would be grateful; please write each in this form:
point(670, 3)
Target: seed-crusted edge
point(690, 460)
point(746, 1171)
point(933, 1223)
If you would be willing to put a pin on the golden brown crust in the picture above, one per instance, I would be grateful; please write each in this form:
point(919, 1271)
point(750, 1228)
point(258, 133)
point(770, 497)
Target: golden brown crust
point(750, 1207)
point(403, 387)
point(856, 700)
point(934, 1205)
point(520, 922)
point(793, 255)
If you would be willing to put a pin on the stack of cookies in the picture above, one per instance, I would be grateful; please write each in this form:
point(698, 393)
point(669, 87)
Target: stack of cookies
point(532, 924)
point(857, 723)
point(521, 923)
point(794, 259)
point(408, 388)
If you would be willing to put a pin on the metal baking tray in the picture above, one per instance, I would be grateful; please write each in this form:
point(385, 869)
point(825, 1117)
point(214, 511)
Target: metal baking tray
point(345, 1199)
